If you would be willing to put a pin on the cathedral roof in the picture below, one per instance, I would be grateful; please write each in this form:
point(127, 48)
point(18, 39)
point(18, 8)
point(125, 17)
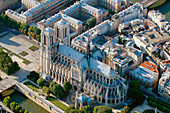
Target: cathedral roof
point(102, 68)
point(61, 22)
point(70, 52)
point(48, 30)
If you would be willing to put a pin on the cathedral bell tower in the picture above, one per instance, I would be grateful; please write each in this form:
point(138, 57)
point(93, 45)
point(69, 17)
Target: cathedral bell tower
point(48, 41)
point(62, 29)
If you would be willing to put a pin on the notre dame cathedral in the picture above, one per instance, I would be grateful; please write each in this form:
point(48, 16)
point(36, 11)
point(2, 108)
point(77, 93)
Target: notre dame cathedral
point(86, 72)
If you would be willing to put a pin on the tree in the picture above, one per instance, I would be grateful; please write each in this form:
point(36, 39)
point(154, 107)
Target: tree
point(17, 108)
point(57, 89)
point(69, 108)
point(126, 109)
point(13, 105)
point(37, 31)
point(102, 109)
point(7, 100)
point(40, 82)
point(91, 22)
point(38, 38)
point(21, 111)
point(67, 86)
point(51, 85)
point(46, 90)
point(34, 76)
point(135, 92)
point(86, 109)
point(30, 29)
point(16, 66)
point(26, 111)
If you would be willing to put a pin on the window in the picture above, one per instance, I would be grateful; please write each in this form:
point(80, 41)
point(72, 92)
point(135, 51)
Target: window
point(44, 40)
point(65, 32)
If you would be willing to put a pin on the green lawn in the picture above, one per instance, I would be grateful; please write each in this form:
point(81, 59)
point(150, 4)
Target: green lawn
point(57, 103)
point(23, 53)
point(8, 92)
point(7, 50)
point(25, 61)
point(33, 48)
point(31, 86)
point(157, 4)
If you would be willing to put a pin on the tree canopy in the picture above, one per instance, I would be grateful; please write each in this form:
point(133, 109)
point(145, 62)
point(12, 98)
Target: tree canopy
point(7, 100)
point(34, 76)
point(91, 22)
point(102, 109)
point(126, 109)
point(135, 92)
point(67, 86)
point(32, 31)
point(56, 89)
point(46, 90)
point(41, 82)
point(7, 65)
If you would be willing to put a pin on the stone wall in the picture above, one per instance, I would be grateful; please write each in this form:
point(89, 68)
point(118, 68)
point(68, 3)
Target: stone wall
point(35, 98)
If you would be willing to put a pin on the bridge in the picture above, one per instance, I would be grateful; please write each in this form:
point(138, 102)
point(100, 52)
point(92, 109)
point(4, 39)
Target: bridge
point(148, 3)
point(6, 84)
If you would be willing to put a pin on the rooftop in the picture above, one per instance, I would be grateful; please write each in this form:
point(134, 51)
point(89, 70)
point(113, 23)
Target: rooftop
point(68, 51)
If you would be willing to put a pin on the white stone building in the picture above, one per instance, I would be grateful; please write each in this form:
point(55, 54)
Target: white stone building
point(157, 18)
point(135, 11)
point(164, 86)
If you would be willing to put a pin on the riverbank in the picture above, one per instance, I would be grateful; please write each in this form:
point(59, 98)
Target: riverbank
point(157, 4)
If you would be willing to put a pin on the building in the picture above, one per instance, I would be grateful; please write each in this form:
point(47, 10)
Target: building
point(157, 18)
point(135, 11)
point(82, 99)
point(6, 4)
point(133, 26)
point(147, 74)
point(164, 86)
point(166, 50)
point(86, 72)
point(37, 11)
point(164, 65)
point(114, 5)
point(150, 41)
point(28, 4)
point(79, 43)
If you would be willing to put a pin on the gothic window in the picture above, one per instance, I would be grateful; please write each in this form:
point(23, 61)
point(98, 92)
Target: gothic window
point(57, 32)
point(103, 100)
point(44, 40)
point(65, 32)
point(90, 71)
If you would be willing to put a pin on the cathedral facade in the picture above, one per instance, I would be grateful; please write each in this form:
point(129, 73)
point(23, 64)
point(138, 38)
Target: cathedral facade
point(86, 72)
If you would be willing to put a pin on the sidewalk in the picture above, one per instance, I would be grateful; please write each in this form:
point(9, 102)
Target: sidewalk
point(6, 108)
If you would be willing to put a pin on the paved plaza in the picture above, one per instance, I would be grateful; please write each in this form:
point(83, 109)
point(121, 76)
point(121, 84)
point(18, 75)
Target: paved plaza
point(19, 43)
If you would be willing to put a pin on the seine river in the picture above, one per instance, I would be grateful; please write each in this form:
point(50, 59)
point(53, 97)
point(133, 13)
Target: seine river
point(26, 103)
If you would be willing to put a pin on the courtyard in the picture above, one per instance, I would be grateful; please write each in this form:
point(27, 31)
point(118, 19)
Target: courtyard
point(18, 47)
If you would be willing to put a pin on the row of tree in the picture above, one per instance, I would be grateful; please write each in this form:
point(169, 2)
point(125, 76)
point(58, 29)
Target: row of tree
point(134, 92)
point(33, 76)
point(54, 88)
point(58, 90)
point(14, 106)
point(32, 31)
point(6, 64)
point(88, 109)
